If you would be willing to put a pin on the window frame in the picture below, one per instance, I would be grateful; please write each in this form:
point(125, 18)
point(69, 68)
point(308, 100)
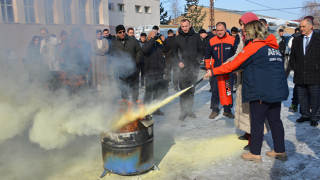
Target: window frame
point(123, 7)
point(149, 9)
point(27, 8)
point(5, 18)
point(83, 20)
point(66, 11)
point(96, 19)
point(138, 6)
point(46, 11)
point(111, 6)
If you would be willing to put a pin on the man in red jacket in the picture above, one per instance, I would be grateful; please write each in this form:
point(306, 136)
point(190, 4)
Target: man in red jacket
point(219, 49)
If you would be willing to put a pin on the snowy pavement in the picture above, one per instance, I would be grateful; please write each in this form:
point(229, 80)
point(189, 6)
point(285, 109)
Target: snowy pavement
point(199, 148)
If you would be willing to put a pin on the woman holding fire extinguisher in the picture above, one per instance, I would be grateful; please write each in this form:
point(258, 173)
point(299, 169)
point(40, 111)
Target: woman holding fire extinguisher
point(264, 87)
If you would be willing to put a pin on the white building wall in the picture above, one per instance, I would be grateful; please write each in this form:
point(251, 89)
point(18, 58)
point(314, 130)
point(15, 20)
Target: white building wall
point(19, 33)
point(131, 18)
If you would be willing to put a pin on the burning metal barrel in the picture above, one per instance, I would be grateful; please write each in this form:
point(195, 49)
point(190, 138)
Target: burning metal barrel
point(128, 153)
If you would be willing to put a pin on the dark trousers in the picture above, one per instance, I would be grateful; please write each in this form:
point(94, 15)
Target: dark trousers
point(186, 99)
point(130, 82)
point(295, 100)
point(175, 77)
point(142, 72)
point(259, 111)
point(215, 98)
point(175, 74)
point(112, 72)
point(167, 73)
point(312, 91)
point(155, 85)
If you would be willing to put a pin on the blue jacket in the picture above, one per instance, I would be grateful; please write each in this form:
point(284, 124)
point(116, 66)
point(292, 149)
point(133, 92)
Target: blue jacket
point(264, 77)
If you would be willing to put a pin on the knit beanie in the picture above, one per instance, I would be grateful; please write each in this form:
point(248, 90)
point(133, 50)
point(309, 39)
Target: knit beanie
point(119, 28)
point(202, 31)
point(248, 17)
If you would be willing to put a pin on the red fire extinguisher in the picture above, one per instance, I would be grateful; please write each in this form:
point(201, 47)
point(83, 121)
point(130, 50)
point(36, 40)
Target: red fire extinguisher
point(224, 89)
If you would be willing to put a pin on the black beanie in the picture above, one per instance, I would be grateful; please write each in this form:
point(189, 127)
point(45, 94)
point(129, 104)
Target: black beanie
point(119, 28)
point(202, 31)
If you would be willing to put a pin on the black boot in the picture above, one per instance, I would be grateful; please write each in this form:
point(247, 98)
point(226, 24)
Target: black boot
point(247, 147)
point(182, 116)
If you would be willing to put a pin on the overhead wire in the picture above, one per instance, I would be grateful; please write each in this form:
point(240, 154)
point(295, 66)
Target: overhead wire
point(271, 7)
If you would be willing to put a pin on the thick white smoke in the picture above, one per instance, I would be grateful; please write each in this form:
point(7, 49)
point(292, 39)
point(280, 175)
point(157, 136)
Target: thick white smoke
point(53, 119)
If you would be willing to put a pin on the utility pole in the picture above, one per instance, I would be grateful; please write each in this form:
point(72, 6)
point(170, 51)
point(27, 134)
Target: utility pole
point(212, 14)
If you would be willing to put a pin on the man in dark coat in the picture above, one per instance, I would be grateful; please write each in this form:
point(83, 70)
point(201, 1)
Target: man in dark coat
point(191, 48)
point(154, 65)
point(108, 36)
point(142, 41)
point(235, 33)
point(205, 36)
point(282, 43)
point(295, 100)
point(170, 65)
point(126, 49)
point(305, 62)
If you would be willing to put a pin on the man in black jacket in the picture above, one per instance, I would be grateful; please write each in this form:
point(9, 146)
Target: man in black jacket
point(124, 47)
point(235, 33)
point(205, 36)
point(170, 65)
point(305, 62)
point(282, 43)
point(107, 35)
point(155, 64)
point(192, 51)
point(142, 41)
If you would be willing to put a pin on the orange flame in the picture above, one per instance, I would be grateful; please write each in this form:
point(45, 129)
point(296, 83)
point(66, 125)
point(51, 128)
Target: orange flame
point(126, 108)
point(71, 80)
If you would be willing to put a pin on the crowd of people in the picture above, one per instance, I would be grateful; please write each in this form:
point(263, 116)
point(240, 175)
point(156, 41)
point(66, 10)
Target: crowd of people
point(253, 58)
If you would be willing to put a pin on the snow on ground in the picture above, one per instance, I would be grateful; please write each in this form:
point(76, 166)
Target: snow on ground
point(198, 148)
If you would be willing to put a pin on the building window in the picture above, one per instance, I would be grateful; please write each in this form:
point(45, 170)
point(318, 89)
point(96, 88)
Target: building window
point(67, 11)
point(111, 6)
point(96, 17)
point(120, 7)
point(29, 11)
point(138, 9)
point(48, 9)
point(147, 9)
point(7, 11)
point(82, 11)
